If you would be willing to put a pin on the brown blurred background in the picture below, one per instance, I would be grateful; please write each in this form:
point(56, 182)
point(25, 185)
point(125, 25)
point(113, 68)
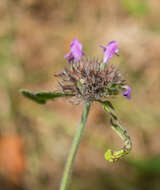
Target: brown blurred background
point(35, 139)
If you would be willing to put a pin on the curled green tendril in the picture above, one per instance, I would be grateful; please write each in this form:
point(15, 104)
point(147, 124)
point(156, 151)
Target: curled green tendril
point(113, 156)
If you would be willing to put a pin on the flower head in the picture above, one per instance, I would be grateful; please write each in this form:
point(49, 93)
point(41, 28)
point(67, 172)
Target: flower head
point(76, 52)
point(88, 82)
point(127, 92)
point(110, 50)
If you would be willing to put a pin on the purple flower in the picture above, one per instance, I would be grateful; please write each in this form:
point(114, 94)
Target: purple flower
point(127, 93)
point(110, 50)
point(76, 52)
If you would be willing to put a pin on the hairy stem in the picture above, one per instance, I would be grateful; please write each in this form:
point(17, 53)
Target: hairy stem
point(74, 148)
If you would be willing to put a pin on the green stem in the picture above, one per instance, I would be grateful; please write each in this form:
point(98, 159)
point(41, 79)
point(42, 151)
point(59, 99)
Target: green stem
point(74, 148)
point(113, 156)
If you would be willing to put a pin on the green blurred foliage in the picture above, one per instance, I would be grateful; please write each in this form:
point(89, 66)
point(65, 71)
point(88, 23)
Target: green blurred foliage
point(135, 7)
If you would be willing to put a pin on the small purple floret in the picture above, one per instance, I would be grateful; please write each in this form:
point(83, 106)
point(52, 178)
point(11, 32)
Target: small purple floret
point(127, 93)
point(76, 52)
point(110, 50)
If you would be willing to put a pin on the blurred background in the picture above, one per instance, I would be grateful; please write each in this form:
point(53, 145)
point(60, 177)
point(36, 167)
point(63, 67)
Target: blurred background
point(35, 139)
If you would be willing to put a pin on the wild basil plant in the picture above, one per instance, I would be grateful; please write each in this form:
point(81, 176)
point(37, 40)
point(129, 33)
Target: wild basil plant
point(84, 81)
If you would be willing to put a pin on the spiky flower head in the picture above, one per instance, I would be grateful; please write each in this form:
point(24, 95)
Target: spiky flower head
point(92, 80)
point(88, 81)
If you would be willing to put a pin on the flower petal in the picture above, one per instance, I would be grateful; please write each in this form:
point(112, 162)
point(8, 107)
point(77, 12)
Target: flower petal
point(76, 52)
point(127, 93)
point(110, 50)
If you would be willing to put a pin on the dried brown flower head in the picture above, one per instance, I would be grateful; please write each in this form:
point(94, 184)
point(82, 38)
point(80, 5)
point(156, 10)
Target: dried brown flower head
point(90, 80)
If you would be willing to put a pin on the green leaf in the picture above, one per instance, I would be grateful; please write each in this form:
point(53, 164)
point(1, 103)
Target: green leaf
point(42, 96)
